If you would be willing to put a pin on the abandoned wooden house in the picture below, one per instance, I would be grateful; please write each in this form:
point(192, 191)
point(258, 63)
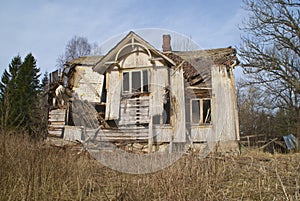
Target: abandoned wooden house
point(138, 94)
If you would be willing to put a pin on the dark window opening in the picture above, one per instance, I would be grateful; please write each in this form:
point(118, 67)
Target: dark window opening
point(165, 117)
point(206, 111)
point(200, 111)
point(136, 81)
point(167, 109)
point(195, 111)
point(126, 82)
point(104, 92)
point(145, 81)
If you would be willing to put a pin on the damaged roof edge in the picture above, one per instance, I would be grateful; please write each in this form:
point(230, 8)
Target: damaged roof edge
point(85, 60)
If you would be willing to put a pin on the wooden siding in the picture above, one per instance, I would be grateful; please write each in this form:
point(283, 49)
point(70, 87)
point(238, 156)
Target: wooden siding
point(202, 133)
point(159, 82)
point(162, 133)
point(89, 84)
point(133, 133)
point(223, 109)
point(113, 87)
point(134, 111)
point(137, 133)
point(178, 105)
point(56, 122)
point(73, 133)
point(136, 59)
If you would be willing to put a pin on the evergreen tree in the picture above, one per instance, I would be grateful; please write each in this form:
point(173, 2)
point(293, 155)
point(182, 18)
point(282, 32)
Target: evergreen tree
point(20, 96)
point(44, 105)
point(4, 82)
point(8, 80)
point(8, 111)
point(27, 94)
point(45, 81)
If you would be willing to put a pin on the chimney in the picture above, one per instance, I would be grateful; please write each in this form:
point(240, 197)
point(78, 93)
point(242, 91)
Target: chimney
point(166, 43)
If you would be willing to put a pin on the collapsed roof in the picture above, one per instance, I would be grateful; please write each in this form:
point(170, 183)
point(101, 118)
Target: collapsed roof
point(196, 64)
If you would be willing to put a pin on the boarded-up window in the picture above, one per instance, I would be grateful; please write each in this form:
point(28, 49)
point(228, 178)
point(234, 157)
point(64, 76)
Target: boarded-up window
point(200, 111)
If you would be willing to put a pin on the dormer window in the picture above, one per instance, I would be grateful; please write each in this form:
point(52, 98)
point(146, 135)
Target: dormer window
point(135, 81)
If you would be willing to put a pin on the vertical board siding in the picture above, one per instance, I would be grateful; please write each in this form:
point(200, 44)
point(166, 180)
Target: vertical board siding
point(158, 84)
point(178, 105)
point(89, 84)
point(113, 94)
point(223, 105)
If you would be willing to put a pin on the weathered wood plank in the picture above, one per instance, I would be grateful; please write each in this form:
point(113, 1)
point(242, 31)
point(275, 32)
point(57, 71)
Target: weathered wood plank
point(134, 111)
point(90, 84)
point(55, 132)
point(158, 84)
point(58, 115)
point(56, 122)
point(111, 139)
point(178, 104)
point(108, 131)
point(113, 98)
point(55, 127)
point(223, 105)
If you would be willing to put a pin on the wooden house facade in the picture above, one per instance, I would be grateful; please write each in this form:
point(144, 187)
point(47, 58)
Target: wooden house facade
point(138, 94)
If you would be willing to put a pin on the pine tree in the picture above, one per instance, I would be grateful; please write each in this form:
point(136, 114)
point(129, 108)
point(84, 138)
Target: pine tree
point(20, 96)
point(27, 91)
point(44, 105)
point(9, 114)
point(5, 79)
point(8, 80)
point(45, 81)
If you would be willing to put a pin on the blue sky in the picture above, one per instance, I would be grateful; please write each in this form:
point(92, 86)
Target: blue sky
point(44, 27)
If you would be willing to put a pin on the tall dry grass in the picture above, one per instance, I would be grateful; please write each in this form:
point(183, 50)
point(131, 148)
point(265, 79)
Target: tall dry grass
point(34, 171)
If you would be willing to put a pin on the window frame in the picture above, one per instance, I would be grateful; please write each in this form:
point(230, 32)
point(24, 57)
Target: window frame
point(201, 112)
point(142, 80)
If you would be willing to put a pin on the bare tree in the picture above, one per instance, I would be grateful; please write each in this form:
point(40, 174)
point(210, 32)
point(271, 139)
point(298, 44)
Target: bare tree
point(270, 53)
point(77, 47)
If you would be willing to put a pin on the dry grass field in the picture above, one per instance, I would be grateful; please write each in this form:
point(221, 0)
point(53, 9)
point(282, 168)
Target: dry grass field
point(35, 171)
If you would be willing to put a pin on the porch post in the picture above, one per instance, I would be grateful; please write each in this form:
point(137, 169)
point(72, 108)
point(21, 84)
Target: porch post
point(150, 134)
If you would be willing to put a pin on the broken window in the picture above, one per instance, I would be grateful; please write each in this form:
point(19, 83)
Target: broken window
point(135, 82)
point(165, 117)
point(206, 111)
point(200, 111)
